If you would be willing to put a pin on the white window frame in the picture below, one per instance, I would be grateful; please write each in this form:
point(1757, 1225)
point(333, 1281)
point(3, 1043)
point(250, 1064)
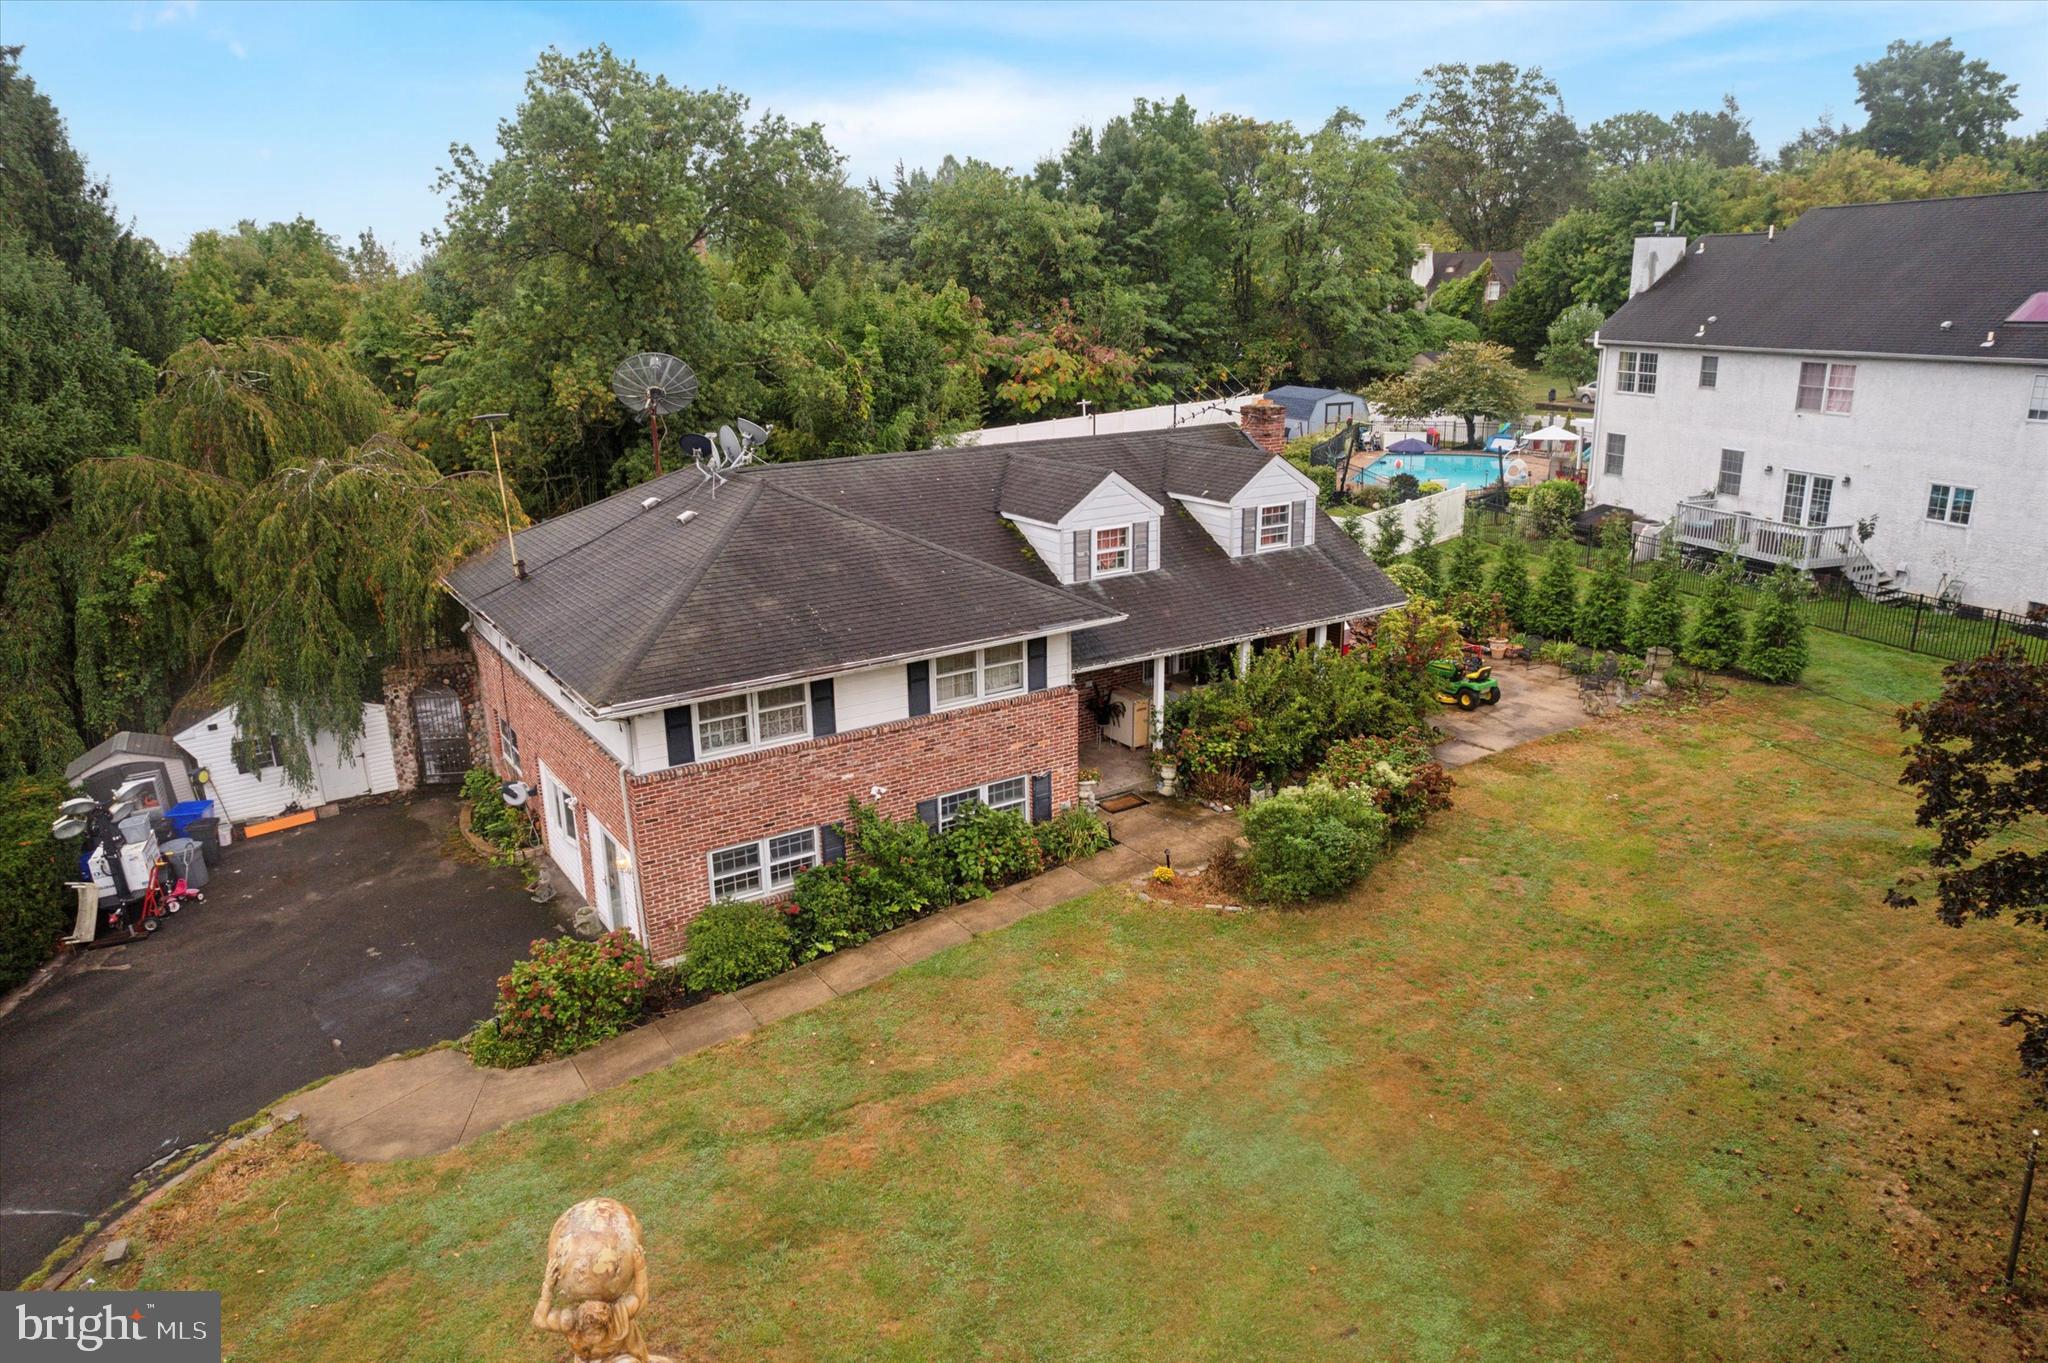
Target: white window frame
point(1808, 485)
point(982, 675)
point(1096, 551)
point(773, 866)
point(1830, 386)
point(1635, 371)
point(1493, 291)
point(1722, 485)
point(1710, 371)
point(954, 801)
point(1285, 530)
point(2037, 400)
point(508, 745)
point(750, 716)
point(1615, 456)
point(1952, 498)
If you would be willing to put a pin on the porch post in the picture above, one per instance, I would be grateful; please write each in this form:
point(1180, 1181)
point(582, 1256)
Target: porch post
point(1158, 702)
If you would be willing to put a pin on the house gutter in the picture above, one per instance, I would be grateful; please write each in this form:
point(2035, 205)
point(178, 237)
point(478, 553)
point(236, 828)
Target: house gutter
point(1689, 343)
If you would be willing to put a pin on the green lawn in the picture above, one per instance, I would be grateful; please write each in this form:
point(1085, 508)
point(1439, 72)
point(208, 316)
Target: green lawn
point(1623, 1059)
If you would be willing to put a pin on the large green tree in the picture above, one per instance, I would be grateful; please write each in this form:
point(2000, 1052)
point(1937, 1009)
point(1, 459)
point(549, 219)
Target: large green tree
point(1631, 204)
point(49, 201)
point(283, 279)
point(1556, 268)
point(1491, 150)
point(1470, 380)
point(1928, 103)
point(1018, 251)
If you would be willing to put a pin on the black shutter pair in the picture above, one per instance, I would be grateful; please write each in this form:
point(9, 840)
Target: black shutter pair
point(920, 674)
point(682, 734)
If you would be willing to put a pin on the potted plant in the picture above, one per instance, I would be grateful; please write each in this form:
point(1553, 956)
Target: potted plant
point(1091, 781)
point(1166, 770)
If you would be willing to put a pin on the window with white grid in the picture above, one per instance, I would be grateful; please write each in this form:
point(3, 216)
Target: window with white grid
point(1006, 794)
point(1950, 504)
point(1636, 372)
point(1274, 526)
point(749, 870)
point(1112, 550)
point(736, 872)
point(978, 674)
point(780, 714)
point(1829, 388)
point(2037, 404)
point(1710, 370)
point(1730, 484)
point(1617, 450)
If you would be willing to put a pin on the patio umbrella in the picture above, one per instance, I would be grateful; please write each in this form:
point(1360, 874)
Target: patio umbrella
point(1409, 446)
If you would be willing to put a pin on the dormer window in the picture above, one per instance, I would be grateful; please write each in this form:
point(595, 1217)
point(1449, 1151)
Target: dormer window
point(1112, 550)
point(1275, 526)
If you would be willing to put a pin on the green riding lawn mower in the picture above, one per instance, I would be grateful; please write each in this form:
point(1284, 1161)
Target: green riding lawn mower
point(1465, 680)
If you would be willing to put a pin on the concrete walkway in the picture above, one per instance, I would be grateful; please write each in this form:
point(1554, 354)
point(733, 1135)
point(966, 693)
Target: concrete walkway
point(1536, 701)
point(426, 1104)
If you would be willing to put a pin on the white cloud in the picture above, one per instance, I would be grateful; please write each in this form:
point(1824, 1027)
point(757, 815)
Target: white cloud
point(160, 15)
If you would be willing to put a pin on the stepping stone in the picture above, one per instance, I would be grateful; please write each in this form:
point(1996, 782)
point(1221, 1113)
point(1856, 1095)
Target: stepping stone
point(626, 1056)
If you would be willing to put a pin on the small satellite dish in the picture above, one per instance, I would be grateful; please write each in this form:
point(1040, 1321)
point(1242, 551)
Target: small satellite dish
point(654, 385)
point(698, 447)
point(78, 806)
point(729, 443)
point(515, 793)
point(65, 829)
point(128, 790)
point(752, 432)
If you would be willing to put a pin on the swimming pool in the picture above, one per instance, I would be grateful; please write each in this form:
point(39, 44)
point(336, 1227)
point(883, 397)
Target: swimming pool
point(1452, 470)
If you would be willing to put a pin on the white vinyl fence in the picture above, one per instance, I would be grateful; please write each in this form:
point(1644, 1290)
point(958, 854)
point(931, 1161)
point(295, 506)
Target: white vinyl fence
point(1216, 411)
point(1449, 506)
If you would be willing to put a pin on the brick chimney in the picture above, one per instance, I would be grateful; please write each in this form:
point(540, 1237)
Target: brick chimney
point(1265, 421)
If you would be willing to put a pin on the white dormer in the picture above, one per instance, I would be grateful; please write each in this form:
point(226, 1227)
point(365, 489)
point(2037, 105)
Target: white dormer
point(1112, 530)
point(1274, 510)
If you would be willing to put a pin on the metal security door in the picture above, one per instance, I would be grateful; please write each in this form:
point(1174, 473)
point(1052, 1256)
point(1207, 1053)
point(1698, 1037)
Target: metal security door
point(443, 735)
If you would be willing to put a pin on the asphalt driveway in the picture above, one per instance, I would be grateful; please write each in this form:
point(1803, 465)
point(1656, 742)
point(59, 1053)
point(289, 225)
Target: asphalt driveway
point(317, 950)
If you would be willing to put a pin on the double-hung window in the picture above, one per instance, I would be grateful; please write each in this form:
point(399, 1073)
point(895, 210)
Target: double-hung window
point(1112, 550)
point(1006, 794)
point(1636, 372)
point(759, 719)
point(1275, 526)
point(1617, 451)
point(2037, 404)
point(1950, 504)
point(749, 870)
point(1337, 413)
point(508, 744)
point(1710, 370)
point(1731, 474)
point(979, 674)
point(1829, 388)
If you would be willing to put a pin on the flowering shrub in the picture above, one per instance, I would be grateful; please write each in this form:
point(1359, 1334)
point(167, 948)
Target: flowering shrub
point(1405, 781)
point(987, 849)
point(566, 996)
point(1280, 718)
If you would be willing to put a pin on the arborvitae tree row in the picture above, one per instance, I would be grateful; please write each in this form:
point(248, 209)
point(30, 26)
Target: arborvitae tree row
point(1554, 601)
point(1715, 640)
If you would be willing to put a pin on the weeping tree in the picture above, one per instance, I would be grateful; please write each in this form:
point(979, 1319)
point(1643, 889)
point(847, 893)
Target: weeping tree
point(269, 540)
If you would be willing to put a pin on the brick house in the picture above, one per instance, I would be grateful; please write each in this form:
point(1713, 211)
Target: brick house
point(695, 680)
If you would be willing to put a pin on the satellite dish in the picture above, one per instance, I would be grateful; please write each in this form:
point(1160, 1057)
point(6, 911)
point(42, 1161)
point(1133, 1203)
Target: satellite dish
point(752, 432)
point(729, 443)
point(515, 793)
point(698, 447)
point(65, 829)
point(78, 806)
point(654, 385)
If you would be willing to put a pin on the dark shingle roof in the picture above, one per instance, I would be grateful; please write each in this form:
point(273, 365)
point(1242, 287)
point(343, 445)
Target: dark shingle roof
point(1865, 278)
point(1301, 402)
point(1045, 489)
point(1448, 265)
point(128, 742)
point(797, 569)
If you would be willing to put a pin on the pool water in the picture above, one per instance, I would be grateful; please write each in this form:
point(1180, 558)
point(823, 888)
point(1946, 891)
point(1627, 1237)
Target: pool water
point(1452, 470)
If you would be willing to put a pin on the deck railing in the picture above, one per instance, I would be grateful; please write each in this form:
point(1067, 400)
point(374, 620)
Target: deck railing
point(1702, 525)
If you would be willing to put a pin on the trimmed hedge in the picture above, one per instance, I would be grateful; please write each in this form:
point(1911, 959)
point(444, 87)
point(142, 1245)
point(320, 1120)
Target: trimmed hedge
point(1313, 842)
point(35, 908)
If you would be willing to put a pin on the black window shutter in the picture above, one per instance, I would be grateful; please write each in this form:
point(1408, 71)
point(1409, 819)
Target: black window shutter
point(831, 843)
point(1041, 797)
point(1248, 539)
point(682, 736)
point(1082, 549)
point(1297, 523)
point(1141, 546)
point(920, 687)
point(1034, 664)
point(928, 810)
point(823, 723)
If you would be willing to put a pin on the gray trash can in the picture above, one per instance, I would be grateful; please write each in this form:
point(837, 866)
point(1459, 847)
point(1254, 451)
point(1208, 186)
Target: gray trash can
point(189, 860)
point(207, 832)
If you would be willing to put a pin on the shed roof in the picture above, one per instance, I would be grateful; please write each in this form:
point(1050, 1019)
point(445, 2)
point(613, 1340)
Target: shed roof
point(127, 743)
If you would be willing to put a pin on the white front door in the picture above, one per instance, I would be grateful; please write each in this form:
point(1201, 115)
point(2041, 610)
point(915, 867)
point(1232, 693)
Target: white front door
point(565, 841)
point(614, 897)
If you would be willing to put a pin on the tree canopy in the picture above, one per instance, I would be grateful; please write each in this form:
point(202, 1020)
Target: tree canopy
point(1928, 103)
point(1491, 150)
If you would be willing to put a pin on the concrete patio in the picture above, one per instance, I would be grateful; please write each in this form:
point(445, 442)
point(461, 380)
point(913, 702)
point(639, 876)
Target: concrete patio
point(1536, 700)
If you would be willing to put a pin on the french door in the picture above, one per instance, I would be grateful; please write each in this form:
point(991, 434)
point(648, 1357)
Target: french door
point(1809, 498)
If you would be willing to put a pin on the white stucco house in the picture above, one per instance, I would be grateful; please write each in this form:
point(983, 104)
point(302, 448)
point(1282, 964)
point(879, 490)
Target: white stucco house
point(1865, 392)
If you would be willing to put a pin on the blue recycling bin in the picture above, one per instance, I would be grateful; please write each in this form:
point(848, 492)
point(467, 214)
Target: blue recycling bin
point(183, 814)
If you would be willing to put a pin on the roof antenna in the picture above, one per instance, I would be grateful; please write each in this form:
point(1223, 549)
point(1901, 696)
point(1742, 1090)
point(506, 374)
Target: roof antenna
point(1771, 232)
point(491, 420)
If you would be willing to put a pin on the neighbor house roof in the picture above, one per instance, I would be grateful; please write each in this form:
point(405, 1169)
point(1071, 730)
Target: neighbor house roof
point(1877, 279)
point(127, 743)
point(1449, 265)
point(798, 569)
point(1301, 403)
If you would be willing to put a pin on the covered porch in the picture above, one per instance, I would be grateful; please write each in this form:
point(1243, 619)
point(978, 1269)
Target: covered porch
point(1701, 525)
point(1123, 705)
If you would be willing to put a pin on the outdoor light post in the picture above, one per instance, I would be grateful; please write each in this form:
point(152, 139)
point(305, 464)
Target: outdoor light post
point(2019, 1220)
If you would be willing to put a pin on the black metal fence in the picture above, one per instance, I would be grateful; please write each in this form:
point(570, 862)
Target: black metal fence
point(1918, 624)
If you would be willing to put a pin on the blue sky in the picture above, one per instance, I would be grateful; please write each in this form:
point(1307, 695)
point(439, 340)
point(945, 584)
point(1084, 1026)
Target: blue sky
point(201, 113)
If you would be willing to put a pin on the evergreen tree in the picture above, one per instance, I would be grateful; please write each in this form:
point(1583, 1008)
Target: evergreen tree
point(1602, 621)
point(1466, 569)
point(1427, 553)
point(1554, 601)
point(1715, 640)
point(1387, 537)
point(1509, 579)
point(1658, 620)
point(1775, 649)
